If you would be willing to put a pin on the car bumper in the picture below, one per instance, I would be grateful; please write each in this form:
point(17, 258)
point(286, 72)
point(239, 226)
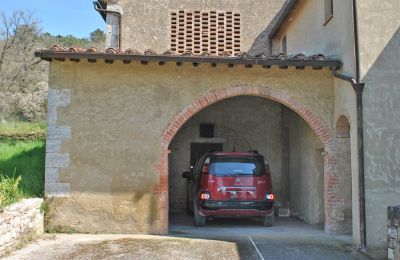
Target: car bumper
point(236, 208)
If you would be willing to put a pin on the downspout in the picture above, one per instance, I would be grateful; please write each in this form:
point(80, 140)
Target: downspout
point(98, 8)
point(358, 87)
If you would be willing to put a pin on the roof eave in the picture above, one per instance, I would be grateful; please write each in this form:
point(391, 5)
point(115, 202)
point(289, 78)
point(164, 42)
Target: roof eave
point(248, 61)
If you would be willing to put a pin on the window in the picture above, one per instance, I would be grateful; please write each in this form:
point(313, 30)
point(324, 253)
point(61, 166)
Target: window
point(284, 45)
point(328, 8)
point(206, 31)
point(235, 165)
point(207, 130)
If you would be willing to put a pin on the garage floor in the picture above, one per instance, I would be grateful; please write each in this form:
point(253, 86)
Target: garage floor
point(287, 239)
point(220, 239)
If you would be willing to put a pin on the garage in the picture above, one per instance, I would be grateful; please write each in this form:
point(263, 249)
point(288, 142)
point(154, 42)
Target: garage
point(244, 123)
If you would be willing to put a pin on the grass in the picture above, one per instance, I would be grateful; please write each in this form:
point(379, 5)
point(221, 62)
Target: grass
point(26, 158)
point(9, 190)
point(17, 127)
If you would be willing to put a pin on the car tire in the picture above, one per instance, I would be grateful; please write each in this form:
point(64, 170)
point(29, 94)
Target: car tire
point(268, 221)
point(199, 220)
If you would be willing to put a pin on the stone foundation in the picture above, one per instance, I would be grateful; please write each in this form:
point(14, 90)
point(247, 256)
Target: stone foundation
point(393, 232)
point(20, 223)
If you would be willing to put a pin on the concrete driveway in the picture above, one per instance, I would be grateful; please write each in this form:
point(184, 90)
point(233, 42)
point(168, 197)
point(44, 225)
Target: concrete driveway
point(220, 239)
point(287, 239)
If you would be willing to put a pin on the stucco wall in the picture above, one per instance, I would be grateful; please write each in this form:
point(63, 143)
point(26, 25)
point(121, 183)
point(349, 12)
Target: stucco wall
point(116, 130)
point(379, 23)
point(306, 33)
point(145, 24)
point(241, 124)
point(306, 170)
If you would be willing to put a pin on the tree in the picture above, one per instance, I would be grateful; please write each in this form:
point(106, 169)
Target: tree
point(18, 40)
point(22, 92)
point(98, 37)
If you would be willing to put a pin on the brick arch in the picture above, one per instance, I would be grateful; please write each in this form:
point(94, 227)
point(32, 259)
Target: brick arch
point(316, 123)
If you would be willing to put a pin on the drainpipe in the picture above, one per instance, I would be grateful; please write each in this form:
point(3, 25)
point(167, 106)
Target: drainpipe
point(358, 87)
point(103, 11)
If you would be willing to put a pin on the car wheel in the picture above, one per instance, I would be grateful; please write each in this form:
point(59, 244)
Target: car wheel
point(199, 220)
point(268, 221)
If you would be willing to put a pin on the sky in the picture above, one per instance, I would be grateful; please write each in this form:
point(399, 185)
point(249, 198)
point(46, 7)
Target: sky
point(76, 17)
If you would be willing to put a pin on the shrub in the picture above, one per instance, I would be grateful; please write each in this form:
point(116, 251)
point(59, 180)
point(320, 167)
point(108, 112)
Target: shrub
point(9, 190)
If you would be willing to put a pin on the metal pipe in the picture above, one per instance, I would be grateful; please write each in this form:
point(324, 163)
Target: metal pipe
point(356, 40)
point(359, 87)
point(98, 8)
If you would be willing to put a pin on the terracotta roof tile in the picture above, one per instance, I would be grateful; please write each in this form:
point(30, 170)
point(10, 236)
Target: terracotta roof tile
point(281, 60)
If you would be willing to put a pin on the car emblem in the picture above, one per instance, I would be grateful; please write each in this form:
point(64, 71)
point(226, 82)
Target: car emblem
point(238, 180)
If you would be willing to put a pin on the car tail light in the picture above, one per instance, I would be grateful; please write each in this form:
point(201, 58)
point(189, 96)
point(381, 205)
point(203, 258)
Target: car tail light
point(205, 195)
point(269, 196)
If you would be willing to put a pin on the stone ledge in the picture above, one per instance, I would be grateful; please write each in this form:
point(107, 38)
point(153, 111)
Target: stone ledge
point(20, 222)
point(393, 214)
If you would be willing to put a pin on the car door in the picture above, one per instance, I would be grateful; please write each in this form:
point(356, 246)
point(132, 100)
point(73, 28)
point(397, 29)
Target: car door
point(194, 182)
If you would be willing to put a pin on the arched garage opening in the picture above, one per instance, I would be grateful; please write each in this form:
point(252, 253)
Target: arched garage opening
point(330, 198)
point(246, 123)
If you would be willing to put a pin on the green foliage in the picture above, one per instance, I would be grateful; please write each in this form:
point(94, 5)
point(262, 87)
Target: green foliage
point(97, 36)
point(27, 157)
point(9, 190)
point(23, 77)
point(44, 207)
point(96, 39)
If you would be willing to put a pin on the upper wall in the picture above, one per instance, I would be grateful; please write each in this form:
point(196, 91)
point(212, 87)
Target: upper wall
point(146, 24)
point(306, 33)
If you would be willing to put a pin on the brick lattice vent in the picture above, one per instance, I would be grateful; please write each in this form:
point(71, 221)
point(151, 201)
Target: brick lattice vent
point(212, 32)
point(394, 232)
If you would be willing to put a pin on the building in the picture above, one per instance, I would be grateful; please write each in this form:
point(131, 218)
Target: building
point(179, 77)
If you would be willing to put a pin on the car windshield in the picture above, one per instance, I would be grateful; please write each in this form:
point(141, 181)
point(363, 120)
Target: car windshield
point(235, 165)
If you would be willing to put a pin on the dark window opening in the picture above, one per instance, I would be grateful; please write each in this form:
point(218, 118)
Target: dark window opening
point(207, 130)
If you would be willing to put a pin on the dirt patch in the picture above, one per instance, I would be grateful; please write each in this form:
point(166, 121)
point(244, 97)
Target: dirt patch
point(140, 247)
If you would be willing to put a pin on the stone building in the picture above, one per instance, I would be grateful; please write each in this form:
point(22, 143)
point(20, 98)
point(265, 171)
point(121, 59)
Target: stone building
point(285, 78)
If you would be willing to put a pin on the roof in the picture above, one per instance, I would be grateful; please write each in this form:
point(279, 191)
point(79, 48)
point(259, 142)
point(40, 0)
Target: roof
point(299, 61)
point(262, 44)
point(250, 154)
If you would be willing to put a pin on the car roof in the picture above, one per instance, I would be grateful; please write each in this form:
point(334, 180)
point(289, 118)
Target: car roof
point(251, 154)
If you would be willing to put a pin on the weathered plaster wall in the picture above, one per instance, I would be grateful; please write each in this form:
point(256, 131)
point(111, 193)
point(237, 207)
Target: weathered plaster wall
point(241, 124)
point(306, 33)
point(117, 126)
point(379, 23)
point(306, 170)
point(145, 24)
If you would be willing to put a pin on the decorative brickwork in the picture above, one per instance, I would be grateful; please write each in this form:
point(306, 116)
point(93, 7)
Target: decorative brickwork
point(211, 32)
point(333, 200)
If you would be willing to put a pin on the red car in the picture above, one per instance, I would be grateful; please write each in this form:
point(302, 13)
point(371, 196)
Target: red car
point(231, 184)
